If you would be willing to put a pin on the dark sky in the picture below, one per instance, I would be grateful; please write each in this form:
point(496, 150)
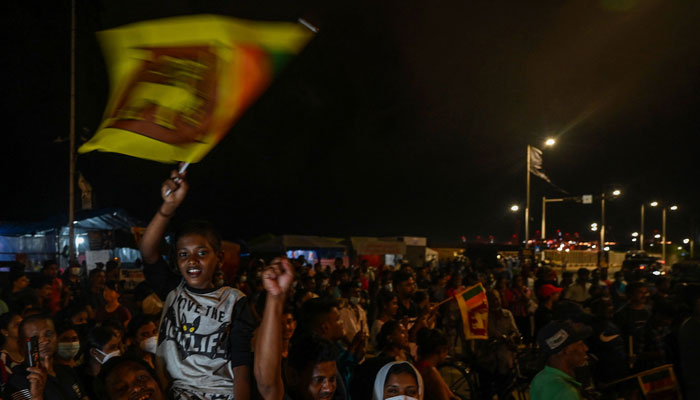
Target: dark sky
point(397, 119)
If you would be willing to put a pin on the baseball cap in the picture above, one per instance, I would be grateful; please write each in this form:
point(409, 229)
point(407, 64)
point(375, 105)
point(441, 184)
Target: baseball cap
point(556, 335)
point(547, 290)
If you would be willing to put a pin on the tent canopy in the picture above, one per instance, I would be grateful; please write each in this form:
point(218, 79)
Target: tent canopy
point(88, 220)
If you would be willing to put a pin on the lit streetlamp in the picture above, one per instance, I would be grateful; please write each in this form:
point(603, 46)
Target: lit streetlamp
point(514, 208)
point(615, 193)
point(663, 230)
point(641, 230)
point(692, 246)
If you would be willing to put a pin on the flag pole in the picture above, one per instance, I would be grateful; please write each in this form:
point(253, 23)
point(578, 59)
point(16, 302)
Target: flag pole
point(527, 198)
point(308, 25)
point(71, 168)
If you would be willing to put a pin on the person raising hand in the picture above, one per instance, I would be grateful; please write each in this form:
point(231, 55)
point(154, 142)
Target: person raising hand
point(277, 278)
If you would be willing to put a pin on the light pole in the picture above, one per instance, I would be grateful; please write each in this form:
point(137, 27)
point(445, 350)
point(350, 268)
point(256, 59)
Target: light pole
point(615, 193)
point(514, 209)
point(641, 228)
point(663, 230)
point(527, 197)
point(544, 213)
point(692, 245)
point(548, 143)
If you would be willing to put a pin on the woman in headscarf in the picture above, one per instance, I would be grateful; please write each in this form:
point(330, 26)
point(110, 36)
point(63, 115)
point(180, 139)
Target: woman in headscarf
point(398, 380)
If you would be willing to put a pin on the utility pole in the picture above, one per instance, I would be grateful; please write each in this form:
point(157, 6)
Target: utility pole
point(527, 197)
point(641, 231)
point(601, 250)
point(663, 234)
point(71, 169)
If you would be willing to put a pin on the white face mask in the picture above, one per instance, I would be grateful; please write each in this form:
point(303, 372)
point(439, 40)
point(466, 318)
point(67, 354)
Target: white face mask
point(401, 397)
point(354, 300)
point(106, 357)
point(68, 350)
point(149, 345)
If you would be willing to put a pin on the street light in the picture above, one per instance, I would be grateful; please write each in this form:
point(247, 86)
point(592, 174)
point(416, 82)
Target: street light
point(550, 142)
point(594, 227)
point(635, 234)
point(641, 219)
point(692, 246)
point(663, 230)
point(615, 193)
point(514, 208)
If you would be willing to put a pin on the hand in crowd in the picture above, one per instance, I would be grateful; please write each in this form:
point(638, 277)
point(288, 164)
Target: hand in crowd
point(278, 277)
point(37, 378)
point(358, 345)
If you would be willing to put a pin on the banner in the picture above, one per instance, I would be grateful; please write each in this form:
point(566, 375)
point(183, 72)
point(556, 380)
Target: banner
point(178, 84)
point(474, 308)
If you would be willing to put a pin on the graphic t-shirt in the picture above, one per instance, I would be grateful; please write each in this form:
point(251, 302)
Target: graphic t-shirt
point(204, 334)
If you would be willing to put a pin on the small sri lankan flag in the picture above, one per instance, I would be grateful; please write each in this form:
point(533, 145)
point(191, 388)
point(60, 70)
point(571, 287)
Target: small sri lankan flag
point(474, 308)
point(178, 84)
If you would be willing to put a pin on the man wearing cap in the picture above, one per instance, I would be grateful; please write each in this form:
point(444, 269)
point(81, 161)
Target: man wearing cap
point(548, 295)
point(562, 344)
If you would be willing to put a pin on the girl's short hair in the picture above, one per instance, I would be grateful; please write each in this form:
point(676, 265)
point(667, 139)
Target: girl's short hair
point(430, 341)
point(200, 227)
point(388, 328)
point(98, 337)
point(113, 285)
point(384, 297)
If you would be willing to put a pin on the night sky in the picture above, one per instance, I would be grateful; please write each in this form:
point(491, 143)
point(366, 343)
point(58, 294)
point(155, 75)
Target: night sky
point(396, 119)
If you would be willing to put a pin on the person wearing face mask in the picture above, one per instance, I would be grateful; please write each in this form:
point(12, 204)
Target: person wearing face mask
point(143, 338)
point(68, 346)
point(393, 346)
point(47, 379)
point(102, 345)
point(398, 380)
point(352, 314)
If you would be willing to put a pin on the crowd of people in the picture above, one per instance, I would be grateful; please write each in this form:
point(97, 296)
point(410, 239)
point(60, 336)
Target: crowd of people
point(285, 329)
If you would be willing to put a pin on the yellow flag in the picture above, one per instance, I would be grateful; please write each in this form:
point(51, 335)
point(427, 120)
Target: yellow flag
point(178, 84)
point(474, 308)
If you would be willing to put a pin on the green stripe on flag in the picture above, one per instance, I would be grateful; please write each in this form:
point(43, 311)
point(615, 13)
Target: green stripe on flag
point(473, 291)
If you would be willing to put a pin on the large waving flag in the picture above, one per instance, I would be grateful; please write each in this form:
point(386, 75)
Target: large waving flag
point(474, 308)
point(536, 164)
point(178, 84)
